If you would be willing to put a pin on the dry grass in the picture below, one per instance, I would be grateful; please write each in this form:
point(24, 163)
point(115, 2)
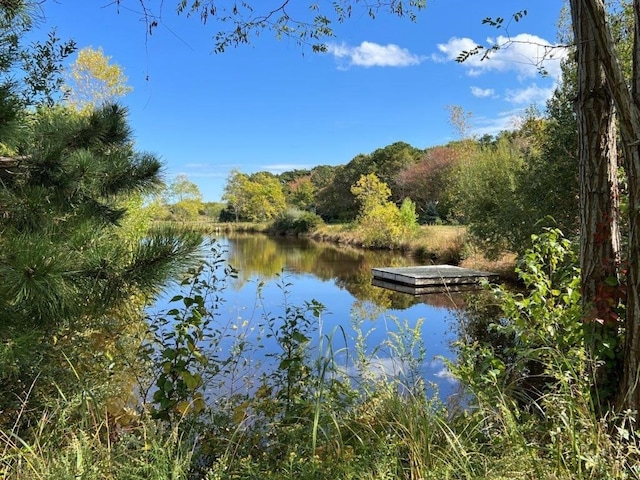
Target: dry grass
point(503, 265)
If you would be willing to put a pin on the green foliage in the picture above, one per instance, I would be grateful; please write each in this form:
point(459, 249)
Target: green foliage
point(537, 326)
point(181, 200)
point(308, 415)
point(186, 209)
point(301, 193)
point(408, 216)
point(175, 347)
point(307, 26)
point(335, 201)
point(256, 198)
point(484, 189)
point(295, 222)
point(181, 189)
point(548, 185)
point(30, 75)
point(73, 263)
point(530, 375)
point(380, 222)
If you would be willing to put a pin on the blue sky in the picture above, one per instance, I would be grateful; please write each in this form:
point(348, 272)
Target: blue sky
point(275, 106)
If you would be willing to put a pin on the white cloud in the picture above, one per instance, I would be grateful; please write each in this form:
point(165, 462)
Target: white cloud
point(504, 121)
point(369, 54)
point(524, 54)
point(529, 95)
point(197, 174)
point(284, 167)
point(482, 92)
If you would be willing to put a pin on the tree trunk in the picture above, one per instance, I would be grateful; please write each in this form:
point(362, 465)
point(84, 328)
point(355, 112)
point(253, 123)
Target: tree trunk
point(631, 148)
point(627, 103)
point(597, 165)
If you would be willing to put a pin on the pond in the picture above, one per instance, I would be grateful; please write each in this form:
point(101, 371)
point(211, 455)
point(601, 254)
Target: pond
point(279, 273)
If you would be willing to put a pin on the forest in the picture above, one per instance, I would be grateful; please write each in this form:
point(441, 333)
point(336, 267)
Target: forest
point(91, 387)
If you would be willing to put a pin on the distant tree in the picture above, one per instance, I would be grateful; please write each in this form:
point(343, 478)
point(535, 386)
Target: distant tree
point(388, 161)
point(335, 200)
point(182, 199)
point(370, 191)
point(460, 121)
point(256, 197)
point(93, 81)
point(181, 188)
point(485, 188)
point(426, 180)
point(380, 221)
point(234, 193)
point(302, 193)
point(293, 175)
point(212, 210)
point(265, 197)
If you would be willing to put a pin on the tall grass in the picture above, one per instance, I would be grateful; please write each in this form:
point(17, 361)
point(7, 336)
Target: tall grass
point(79, 440)
point(314, 417)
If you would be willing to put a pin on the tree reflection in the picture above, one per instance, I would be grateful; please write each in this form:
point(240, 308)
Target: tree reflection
point(262, 256)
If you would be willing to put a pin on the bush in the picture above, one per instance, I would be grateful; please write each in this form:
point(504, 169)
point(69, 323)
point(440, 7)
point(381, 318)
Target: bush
point(296, 222)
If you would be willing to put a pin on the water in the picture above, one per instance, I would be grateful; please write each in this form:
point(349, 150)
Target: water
point(277, 272)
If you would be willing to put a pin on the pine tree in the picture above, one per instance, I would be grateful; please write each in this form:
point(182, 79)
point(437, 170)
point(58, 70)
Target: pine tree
point(66, 265)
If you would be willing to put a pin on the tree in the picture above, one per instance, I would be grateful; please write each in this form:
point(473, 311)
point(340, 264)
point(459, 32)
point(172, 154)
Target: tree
point(181, 188)
point(485, 186)
point(257, 198)
point(426, 180)
point(94, 81)
point(591, 26)
point(66, 264)
point(265, 197)
point(601, 85)
point(59, 207)
point(335, 200)
point(549, 184)
point(380, 221)
point(234, 192)
point(302, 193)
point(29, 76)
point(598, 172)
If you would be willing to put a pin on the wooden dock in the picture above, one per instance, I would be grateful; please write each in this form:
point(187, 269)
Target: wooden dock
point(421, 280)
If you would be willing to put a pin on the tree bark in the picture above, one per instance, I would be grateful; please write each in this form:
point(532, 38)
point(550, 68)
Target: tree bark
point(597, 166)
point(631, 149)
point(627, 104)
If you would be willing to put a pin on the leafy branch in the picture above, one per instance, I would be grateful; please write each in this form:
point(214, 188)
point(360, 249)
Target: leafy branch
point(243, 21)
point(485, 52)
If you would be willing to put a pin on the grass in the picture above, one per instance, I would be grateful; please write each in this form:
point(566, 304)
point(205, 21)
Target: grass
point(387, 433)
point(345, 424)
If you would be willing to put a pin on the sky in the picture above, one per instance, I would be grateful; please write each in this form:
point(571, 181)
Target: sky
point(274, 105)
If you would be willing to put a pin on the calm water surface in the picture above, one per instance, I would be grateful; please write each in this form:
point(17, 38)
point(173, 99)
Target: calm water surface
point(277, 271)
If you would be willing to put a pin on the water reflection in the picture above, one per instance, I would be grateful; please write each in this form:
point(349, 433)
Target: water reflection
point(339, 277)
point(348, 267)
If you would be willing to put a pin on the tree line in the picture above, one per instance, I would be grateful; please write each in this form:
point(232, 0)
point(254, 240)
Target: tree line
point(504, 187)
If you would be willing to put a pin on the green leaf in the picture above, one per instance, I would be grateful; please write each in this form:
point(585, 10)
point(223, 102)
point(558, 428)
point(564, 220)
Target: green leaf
point(612, 281)
point(299, 337)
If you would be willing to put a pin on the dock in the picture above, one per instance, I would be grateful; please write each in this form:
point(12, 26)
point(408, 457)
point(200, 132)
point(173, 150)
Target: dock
point(420, 280)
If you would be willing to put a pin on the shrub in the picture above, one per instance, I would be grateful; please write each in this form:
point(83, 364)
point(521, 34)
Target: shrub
point(296, 222)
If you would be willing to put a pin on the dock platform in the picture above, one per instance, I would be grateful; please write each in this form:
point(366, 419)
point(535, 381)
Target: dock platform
point(420, 280)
